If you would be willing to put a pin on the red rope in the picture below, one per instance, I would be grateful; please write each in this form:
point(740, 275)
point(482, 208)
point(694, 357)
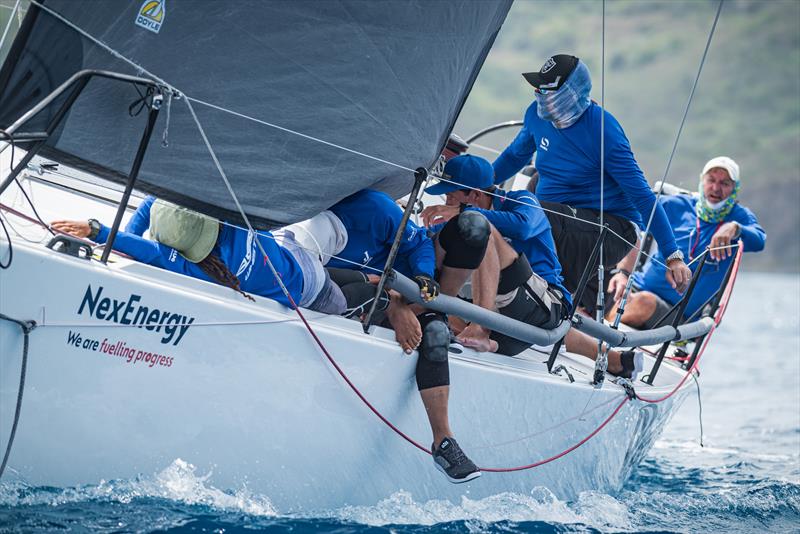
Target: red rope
point(415, 443)
point(726, 295)
point(562, 453)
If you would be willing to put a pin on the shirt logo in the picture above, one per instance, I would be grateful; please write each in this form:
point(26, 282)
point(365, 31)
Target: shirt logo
point(544, 144)
point(367, 257)
point(246, 266)
point(173, 256)
point(151, 15)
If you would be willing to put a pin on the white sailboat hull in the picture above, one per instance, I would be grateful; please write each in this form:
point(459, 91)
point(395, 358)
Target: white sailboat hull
point(246, 394)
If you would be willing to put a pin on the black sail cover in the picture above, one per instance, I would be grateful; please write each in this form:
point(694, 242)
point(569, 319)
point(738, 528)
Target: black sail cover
point(379, 77)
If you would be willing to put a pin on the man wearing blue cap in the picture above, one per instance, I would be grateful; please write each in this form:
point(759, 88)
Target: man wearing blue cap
point(563, 127)
point(520, 275)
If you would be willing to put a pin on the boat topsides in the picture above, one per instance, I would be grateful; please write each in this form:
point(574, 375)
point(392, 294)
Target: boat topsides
point(133, 366)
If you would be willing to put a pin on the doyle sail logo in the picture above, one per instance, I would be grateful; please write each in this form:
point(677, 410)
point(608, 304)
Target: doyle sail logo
point(151, 15)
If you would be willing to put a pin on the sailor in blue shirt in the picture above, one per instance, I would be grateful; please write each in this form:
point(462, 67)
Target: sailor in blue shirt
point(711, 219)
point(520, 238)
point(563, 127)
point(196, 245)
point(357, 233)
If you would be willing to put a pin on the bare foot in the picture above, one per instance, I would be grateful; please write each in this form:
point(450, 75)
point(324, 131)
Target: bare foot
point(457, 324)
point(477, 337)
point(406, 326)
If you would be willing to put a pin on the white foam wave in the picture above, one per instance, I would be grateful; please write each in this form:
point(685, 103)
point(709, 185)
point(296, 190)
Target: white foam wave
point(177, 482)
point(592, 509)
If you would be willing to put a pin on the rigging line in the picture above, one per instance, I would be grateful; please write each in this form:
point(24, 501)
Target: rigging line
point(629, 285)
point(313, 251)
point(724, 247)
point(339, 370)
point(8, 24)
point(717, 320)
point(539, 207)
point(543, 431)
point(103, 45)
point(169, 86)
point(299, 134)
point(699, 407)
point(563, 453)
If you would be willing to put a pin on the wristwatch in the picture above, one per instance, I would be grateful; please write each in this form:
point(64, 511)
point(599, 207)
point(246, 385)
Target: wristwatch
point(677, 255)
point(617, 270)
point(94, 229)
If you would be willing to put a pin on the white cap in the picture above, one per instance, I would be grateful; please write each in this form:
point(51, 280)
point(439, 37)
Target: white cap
point(722, 162)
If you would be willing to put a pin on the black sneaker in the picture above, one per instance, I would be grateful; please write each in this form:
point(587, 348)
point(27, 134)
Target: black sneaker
point(451, 460)
point(632, 364)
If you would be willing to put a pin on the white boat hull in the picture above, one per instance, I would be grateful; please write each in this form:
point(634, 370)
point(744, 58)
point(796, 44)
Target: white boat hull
point(259, 405)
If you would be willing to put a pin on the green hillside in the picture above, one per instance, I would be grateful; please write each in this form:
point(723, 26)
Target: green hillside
point(747, 104)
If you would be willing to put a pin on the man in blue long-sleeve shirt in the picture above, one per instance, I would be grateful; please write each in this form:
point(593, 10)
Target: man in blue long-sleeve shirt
point(520, 237)
point(357, 233)
point(562, 126)
point(711, 219)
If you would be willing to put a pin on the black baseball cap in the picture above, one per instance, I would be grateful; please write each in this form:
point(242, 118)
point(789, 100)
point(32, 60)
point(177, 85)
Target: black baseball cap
point(553, 73)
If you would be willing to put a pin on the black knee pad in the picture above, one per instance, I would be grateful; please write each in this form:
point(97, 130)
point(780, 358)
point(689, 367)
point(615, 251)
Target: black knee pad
point(435, 336)
point(464, 240)
point(432, 374)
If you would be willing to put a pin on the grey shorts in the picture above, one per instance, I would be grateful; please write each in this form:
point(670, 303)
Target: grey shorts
point(319, 291)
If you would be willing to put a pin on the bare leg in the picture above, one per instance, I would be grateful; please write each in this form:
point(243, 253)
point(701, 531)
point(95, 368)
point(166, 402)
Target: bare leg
point(435, 401)
point(499, 255)
point(579, 343)
point(641, 307)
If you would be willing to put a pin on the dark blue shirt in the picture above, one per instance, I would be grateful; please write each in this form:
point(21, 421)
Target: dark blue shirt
point(568, 161)
point(372, 219)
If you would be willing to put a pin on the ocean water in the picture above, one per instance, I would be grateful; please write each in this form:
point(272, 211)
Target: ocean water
point(745, 477)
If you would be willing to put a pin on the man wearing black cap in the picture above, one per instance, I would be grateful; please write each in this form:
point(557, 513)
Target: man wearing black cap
point(563, 127)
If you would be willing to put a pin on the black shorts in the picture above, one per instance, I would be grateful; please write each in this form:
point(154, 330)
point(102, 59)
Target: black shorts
point(574, 243)
point(523, 308)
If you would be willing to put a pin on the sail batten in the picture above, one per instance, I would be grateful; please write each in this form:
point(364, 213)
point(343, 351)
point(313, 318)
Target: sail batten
point(386, 79)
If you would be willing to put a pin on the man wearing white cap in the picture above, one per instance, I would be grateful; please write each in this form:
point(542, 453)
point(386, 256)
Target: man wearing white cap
point(714, 219)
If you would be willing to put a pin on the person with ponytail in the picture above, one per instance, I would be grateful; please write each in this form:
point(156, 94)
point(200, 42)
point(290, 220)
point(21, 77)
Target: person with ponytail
point(710, 219)
point(190, 243)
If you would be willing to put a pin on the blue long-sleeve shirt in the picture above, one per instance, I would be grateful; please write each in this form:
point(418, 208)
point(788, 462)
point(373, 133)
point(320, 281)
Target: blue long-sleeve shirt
point(237, 249)
point(372, 219)
point(518, 217)
point(680, 210)
point(568, 161)
point(140, 220)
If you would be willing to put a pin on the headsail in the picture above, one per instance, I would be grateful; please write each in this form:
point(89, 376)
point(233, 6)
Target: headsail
point(386, 79)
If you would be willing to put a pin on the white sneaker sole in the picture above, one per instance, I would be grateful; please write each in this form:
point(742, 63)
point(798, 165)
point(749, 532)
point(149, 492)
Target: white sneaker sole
point(471, 476)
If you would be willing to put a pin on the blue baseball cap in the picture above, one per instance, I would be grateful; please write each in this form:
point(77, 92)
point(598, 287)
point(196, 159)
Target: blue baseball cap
point(467, 171)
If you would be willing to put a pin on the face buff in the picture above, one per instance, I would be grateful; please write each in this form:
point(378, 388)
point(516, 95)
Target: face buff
point(712, 213)
point(566, 105)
